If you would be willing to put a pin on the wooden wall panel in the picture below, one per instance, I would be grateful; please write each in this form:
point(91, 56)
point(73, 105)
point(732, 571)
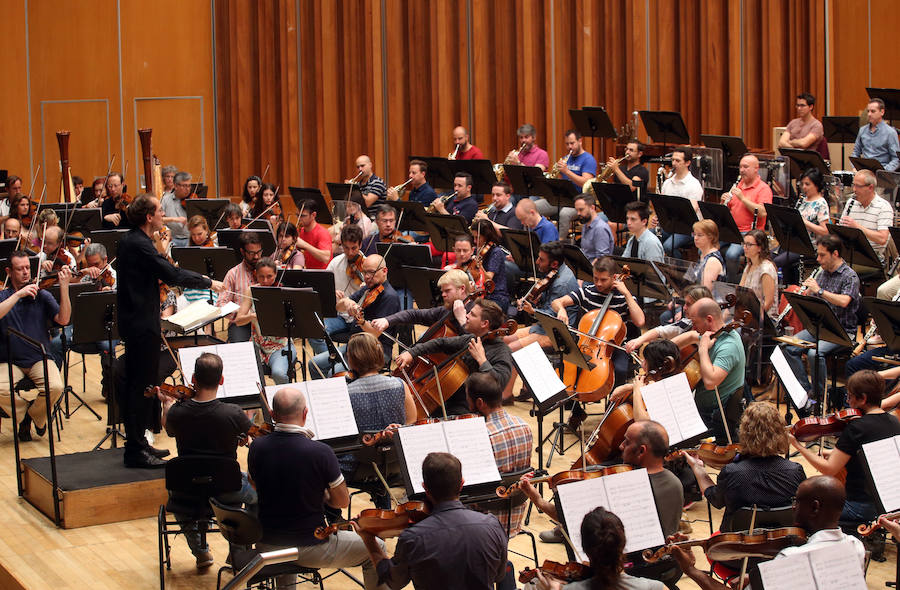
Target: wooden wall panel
point(14, 147)
point(89, 147)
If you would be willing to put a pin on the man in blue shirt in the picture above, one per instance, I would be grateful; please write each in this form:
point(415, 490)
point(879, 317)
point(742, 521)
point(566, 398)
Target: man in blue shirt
point(877, 140)
point(419, 189)
point(463, 203)
point(579, 167)
point(596, 235)
point(527, 213)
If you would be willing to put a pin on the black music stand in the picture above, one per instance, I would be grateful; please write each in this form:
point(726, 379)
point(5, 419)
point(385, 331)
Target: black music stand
point(482, 172)
point(891, 98)
point(289, 313)
point(645, 280)
point(559, 192)
point(110, 240)
point(612, 198)
point(790, 231)
point(673, 276)
point(7, 247)
point(421, 282)
point(803, 160)
point(213, 210)
point(199, 189)
point(523, 245)
point(857, 245)
point(320, 281)
point(593, 122)
point(443, 230)
point(578, 263)
point(413, 216)
point(722, 217)
point(676, 215)
point(212, 262)
point(439, 174)
point(87, 221)
point(895, 236)
point(665, 126)
point(840, 130)
point(866, 164)
point(401, 255)
point(323, 211)
point(733, 148)
point(261, 224)
point(524, 180)
point(886, 315)
point(231, 238)
point(339, 191)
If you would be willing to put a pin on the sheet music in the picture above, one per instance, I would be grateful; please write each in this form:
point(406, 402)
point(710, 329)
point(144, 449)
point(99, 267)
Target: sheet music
point(671, 403)
point(468, 440)
point(836, 567)
point(187, 356)
point(883, 459)
point(576, 499)
point(788, 379)
point(417, 442)
point(787, 573)
point(537, 371)
point(631, 499)
point(240, 369)
point(330, 412)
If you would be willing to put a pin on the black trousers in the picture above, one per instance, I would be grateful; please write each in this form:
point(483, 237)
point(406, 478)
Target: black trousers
point(141, 370)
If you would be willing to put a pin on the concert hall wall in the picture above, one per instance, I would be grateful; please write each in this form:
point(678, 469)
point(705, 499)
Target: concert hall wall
point(229, 86)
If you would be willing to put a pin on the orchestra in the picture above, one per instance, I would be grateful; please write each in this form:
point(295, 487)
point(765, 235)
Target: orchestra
point(473, 318)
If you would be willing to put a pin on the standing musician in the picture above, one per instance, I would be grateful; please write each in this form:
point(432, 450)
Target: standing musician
point(376, 299)
point(868, 212)
point(314, 240)
point(205, 425)
point(386, 222)
point(746, 199)
point(420, 191)
point(501, 213)
point(29, 310)
point(838, 285)
point(453, 548)
point(454, 286)
point(596, 235)
point(463, 149)
point(817, 510)
point(635, 174)
point(276, 352)
point(237, 279)
point(287, 254)
point(112, 209)
point(174, 214)
point(141, 268)
point(463, 203)
point(578, 167)
point(722, 366)
point(483, 355)
point(372, 188)
point(877, 139)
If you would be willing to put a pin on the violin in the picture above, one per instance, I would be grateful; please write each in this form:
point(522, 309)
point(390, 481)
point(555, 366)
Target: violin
point(163, 292)
point(28, 218)
point(474, 268)
point(354, 268)
point(397, 237)
point(716, 456)
point(176, 392)
point(255, 432)
point(371, 295)
point(381, 523)
point(562, 478)
point(122, 203)
point(763, 543)
point(867, 529)
point(210, 241)
point(48, 279)
point(538, 288)
point(567, 572)
point(288, 253)
point(814, 427)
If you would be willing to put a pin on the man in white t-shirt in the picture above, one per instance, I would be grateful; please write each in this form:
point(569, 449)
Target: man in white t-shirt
point(681, 184)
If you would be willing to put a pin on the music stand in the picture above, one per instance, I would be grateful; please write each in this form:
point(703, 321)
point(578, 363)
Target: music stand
point(323, 211)
point(667, 125)
point(891, 98)
point(110, 240)
point(790, 231)
point(212, 262)
point(733, 148)
point(421, 281)
point(87, 221)
point(857, 245)
point(482, 172)
point(320, 281)
point(439, 174)
point(523, 245)
point(840, 130)
point(612, 198)
point(523, 179)
point(593, 122)
point(443, 230)
point(559, 192)
point(339, 191)
point(231, 238)
point(895, 236)
point(866, 164)
point(261, 223)
point(721, 216)
point(199, 189)
point(413, 216)
point(580, 266)
point(673, 276)
point(645, 280)
point(213, 210)
point(7, 247)
point(803, 160)
point(676, 215)
point(289, 313)
point(886, 315)
point(401, 255)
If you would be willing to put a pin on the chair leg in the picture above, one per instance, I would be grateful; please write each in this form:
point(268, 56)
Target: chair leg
point(163, 546)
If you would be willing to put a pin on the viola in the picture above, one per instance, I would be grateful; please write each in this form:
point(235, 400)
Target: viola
point(567, 572)
point(867, 529)
point(562, 478)
point(255, 432)
point(371, 295)
point(716, 456)
point(814, 427)
point(381, 523)
point(176, 392)
point(763, 543)
point(354, 268)
point(538, 289)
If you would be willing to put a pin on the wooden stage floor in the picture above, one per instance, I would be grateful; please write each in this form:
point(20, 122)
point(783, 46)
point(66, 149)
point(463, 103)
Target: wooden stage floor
point(34, 554)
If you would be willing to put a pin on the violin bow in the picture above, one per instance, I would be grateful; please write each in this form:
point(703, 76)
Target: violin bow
point(566, 536)
point(413, 387)
point(437, 382)
point(391, 245)
point(266, 210)
point(34, 180)
point(174, 356)
point(747, 558)
point(385, 483)
point(722, 412)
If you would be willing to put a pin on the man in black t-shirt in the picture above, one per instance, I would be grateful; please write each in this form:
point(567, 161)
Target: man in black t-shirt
point(630, 171)
point(204, 425)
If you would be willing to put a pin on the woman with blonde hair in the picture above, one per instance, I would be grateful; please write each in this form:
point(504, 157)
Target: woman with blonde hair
point(711, 266)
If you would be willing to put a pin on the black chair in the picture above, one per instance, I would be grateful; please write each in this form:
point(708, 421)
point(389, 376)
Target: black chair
point(507, 505)
point(191, 482)
point(243, 531)
point(365, 479)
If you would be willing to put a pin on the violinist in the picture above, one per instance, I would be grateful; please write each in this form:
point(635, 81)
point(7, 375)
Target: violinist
point(168, 178)
point(386, 223)
point(348, 278)
point(454, 286)
point(692, 294)
point(11, 228)
point(26, 308)
point(266, 198)
point(97, 267)
point(314, 240)
point(375, 300)
point(21, 208)
point(483, 355)
point(287, 254)
point(248, 195)
point(722, 364)
point(233, 216)
point(205, 425)
point(13, 190)
point(174, 213)
point(865, 390)
point(53, 255)
point(238, 278)
point(199, 237)
point(291, 473)
point(817, 509)
point(453, 548)
point(276, 352)
point(760, 475)
point(491, 259)
point(659, 362)
point(113, 207)
point(463, 203)
point(99, 187)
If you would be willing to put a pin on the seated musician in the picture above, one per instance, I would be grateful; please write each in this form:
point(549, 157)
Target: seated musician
point(711, 266)
point(805, 132)
point(233, 216)
point(759, 475)
point(13, 190)
point(748, 197)
point(722, 364)
point(531, 220)
point(248, 195)
point(454, 286)
point(814, 211)
point(645, 446)
point(348, 278)
point(53, 249)
point(454, 547)
point(635, 174)
point(112, 210)
point(314, 240)
point(354, 207)
point(868, 212)
point(371, 186)
point(463, 148)
point(642, 244)
point(376, 299)
point(199, 236)
point(492, 259)
point(237, 279)
point(276, 352)
point(603, 540)
point(760, 274)
point(692, 294)
point(267, 204)
point(27, 309)
point(817, 509)
point(463, 203)
point(596, 236)
point(419, 189)
point(386, 223)
point(292, 475)
point(11, 229)
point(838, 285)
point(502, 212)
point(527, 152)
point(99, 186)
point(205, 425)
point(287, 254)
point(864, 392)
point(479, 353)
point(174, 213)
point(577, 166)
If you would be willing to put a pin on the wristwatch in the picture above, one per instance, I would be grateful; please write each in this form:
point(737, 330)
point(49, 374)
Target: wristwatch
point(821, 292)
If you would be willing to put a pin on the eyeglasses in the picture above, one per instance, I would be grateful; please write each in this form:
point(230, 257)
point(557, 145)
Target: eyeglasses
point(370, 273)
point(749, 244)
point(863, 185)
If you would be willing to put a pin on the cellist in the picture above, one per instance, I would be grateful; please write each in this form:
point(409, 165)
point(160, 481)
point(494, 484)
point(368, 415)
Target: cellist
point(454, 286)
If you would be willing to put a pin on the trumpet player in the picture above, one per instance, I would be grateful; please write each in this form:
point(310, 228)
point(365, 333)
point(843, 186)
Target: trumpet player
point(579, 167)
point(372, 188)
point(419, 189)
point(462, 148)
point(463, 203)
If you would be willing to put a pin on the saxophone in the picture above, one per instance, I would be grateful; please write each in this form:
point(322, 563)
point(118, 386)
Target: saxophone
point(554, 171)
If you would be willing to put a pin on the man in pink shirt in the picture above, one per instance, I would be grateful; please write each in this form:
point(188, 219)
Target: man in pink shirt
point(748, 197)
point(529, 154)
point(314, 240)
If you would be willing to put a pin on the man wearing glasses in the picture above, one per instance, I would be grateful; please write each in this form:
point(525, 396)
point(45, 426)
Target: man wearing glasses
point(237, 280)
point(868, 212)
point(805, 132)
point(174, 215)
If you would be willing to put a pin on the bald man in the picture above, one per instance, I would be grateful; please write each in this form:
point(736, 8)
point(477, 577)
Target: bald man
point(527, 214)
point(747, 197)
point(385, 303)
point(462, 149)
point(373, 188)
point(11, 228)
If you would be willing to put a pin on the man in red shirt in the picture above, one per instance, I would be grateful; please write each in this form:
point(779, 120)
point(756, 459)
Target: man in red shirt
point(748, 197)
point(462, 149)
point(314, 240)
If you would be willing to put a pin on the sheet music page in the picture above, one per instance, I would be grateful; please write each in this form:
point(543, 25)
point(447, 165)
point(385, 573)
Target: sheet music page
point(188, 355)
point(836, 567)
point(671, 403)
point(787, 573)
point(883, 459)
point(271, 390)
point(537, 371)
point(788, 379)
point(656, 398)
point(330, 400)
point(417, 442)
point(240, 369)
point(469, 441)
point(631, 499)
point(576, 499)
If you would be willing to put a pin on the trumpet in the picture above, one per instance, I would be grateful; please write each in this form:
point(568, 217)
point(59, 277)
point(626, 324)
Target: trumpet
point(452, 155)
point(607, 171)
point(445, 199)
point(554, 171)
point(399, 188)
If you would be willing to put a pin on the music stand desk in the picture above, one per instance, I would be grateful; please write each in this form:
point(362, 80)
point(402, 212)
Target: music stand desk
point(211, 209)
point(789, 229)
point(855, 241)
point(320, 281)
point(612, 198)
point(722, 217)
point(401, 255)
point(300, 194)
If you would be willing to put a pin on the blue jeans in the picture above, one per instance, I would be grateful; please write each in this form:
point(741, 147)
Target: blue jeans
point(56, 348)
point(333, 326)
point(731, 251)
point(279, 364)
point(794, 357)
point(866, 361)
point(180, 242)
point(195, 530)
point(858, 511)
point(674, 243)
point(321, 363)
